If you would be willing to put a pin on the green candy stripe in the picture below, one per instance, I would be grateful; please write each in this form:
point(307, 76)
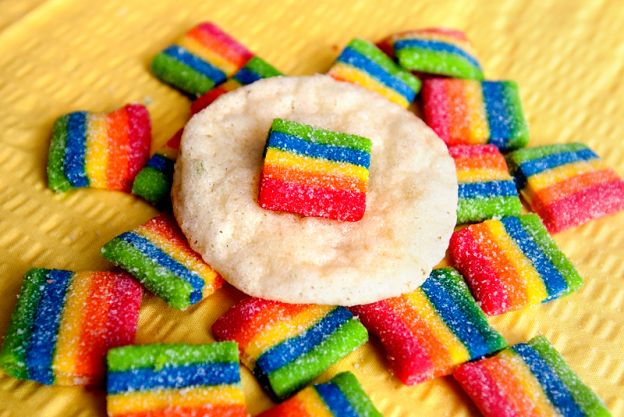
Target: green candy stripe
point(180, 76)
point(479, 209)
point(351, 388)
point(528, 154)
point(438, 62)
point(520, 129)
point(262, 68)
point(322, 136)
point(56, 156)
point(153, 186)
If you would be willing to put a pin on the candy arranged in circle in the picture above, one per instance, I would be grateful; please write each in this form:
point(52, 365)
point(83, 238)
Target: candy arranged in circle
point(65, 322)
point(526, 380)
point(429, 332)
point(288, 345)
point(99, 150)
point(158, 255)
point(512, 263)
point(567, 184)
point(171, 380)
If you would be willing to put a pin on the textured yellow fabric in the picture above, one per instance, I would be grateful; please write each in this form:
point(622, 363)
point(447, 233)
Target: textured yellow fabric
point(64, 55)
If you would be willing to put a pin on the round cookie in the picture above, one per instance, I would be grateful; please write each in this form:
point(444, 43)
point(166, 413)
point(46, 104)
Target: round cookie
point(410, 207)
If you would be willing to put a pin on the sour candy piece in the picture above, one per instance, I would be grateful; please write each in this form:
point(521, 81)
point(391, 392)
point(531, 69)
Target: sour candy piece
point(486, 189)
point(99, 150)
point(159, 256)
point(364, 64)
point(567, 184)
point(173, 380)
point(315, 172)
point(288, 345)
point(526, 380)
point(341, 396)
point(428, 332)
point(512, 263)
point(473, 112)
point(204, 57)
point(65, 322)
point(438, 51)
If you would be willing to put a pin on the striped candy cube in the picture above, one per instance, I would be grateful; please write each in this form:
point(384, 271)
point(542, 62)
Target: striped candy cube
point(342, 396)
point(204, 57)
point(486, 189)
point(435, 51)
point(65, 322)
point(175, 380)
point(473, 112)
point(430, 331)
point(364, 64)
point(314, 172)
point(567, 185)
point(512, 263)
point(159, 256)
point(526, 380)
point(288, 345)
point(99, 150)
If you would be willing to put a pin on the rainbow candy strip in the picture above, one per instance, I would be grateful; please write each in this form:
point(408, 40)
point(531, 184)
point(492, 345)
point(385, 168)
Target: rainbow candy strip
point(341, 396)
point(159, 256)
point(65, 322)
point(175, 380)
point(472, 112)
point(567, 185)
point(99, 150)
point(526, 380)
point(430, 331)
point(435, 51)
point(288, 345)
point(364, 64)
point(315, 172)
point(486, 189)
point(204, 57)
point(511, 263)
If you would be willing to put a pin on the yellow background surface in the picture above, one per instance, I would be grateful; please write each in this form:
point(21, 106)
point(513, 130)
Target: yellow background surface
point(57, 56)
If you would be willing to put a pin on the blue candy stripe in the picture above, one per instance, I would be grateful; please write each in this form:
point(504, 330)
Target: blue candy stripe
point(174, 377)
point(161, 163)
point(295, 347)
point(552, 278)
point(75, 150)
point(436, 46)
point(553, 386)
point(505, 188)
point(195, 63)
point(551, 161)
point(155, 254)
point(42, 343)
point(245, 76)
point(294, 144)
point(335, 400)
point(501, 119)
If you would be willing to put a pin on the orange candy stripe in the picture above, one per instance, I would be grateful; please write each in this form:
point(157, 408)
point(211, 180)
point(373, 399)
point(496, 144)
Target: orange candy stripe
point(320, 180)
point(208, 410)
point(574, 185)
point(486, 161)
point(290, 408)
point(224, 49)
point(459, 122)
point(505, 379)
point(118, 145)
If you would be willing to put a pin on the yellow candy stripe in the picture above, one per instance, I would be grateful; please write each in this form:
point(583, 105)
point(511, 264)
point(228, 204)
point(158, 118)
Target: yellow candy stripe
point(475, 107)
point(314, 165)
point(196, 48)
point(479, 175)
point(548, 178)
point(353, 75)
point(313, 404)
point(97, 150)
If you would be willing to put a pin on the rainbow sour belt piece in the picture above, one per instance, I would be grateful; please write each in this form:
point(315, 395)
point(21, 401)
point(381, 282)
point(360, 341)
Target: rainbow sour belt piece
point(486, 189)
point(315, 172)
point(159, 256)
point(527, 380)
point(512, 263)
point(364, 64)
point(288, 345)
point(99, 150)
point(466, 112)
point(204, 57)
point(430, 331)
point(342, 396)
point(567, 185)
point(65, 322)
point(175, 381)
point(435, 51)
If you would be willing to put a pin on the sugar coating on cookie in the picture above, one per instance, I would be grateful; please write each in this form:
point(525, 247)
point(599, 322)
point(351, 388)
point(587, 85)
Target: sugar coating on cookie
point(512, 263)
point(158, 255)
point(99, 150)
point(528, 379)
point(486, 189)
point(288, 345)
point(429, 332)
point(341, 396)
point(65, 322)
point(567, 184)
point(364, 64)
point(175, 380)
point(473, 112)
point(410, 203)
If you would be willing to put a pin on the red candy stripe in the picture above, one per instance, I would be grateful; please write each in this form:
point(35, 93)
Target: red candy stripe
point(484, 391)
